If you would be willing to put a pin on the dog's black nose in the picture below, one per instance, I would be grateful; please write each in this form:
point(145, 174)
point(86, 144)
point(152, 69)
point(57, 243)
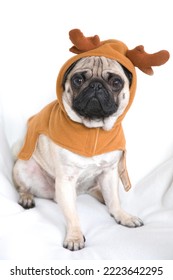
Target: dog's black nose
point(96, 85)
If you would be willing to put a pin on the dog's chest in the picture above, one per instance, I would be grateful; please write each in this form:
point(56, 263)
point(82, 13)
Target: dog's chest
point(86, 170)
point(57, 161)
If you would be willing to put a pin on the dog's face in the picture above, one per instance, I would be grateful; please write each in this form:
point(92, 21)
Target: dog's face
point(96, 91)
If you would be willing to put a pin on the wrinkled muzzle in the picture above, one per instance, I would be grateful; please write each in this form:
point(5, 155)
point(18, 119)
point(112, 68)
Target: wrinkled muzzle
point(95, 101)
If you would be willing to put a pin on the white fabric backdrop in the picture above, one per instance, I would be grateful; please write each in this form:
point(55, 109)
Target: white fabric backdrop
point(34, 45)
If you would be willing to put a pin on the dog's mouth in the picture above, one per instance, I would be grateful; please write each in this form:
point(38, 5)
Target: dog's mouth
point(94, 105)
point(94, 108)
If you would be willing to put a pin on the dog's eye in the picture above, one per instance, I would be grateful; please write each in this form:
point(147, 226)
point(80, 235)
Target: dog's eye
point(116, 83)
point(77, 80)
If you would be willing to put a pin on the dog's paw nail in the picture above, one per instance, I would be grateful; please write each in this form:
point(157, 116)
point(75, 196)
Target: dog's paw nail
point(135, 222)
point(129, 221)
point(139, 222)
point(27, 202)
point(74, 245)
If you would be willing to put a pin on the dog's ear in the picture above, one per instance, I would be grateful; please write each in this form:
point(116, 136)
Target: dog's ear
point(128, 74)
point(67, 72)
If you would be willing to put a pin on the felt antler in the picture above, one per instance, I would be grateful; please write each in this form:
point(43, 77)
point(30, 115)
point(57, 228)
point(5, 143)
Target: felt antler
point(144, 61)
point(82, 43)
point(137, 56)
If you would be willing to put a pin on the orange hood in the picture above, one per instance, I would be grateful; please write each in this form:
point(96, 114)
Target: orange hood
point(54, 122)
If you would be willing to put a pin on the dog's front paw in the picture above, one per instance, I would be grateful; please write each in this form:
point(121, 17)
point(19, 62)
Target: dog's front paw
point(128, 220)
point(26, 200)
point(74, 242)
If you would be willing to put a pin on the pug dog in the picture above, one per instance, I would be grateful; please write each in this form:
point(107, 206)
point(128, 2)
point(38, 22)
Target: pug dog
point(96, 93)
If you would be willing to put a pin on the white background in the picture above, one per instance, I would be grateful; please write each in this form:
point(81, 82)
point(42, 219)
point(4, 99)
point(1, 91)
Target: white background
point(34, 44)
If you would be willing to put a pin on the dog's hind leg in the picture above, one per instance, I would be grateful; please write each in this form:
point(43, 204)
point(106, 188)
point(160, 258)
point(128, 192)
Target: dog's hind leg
point(30, 180)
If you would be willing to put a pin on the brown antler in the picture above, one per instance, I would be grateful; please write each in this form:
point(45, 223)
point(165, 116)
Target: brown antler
point(82, 43)
point(144, 61)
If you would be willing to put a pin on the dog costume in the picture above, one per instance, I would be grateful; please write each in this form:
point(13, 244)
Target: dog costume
point(54, 122)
